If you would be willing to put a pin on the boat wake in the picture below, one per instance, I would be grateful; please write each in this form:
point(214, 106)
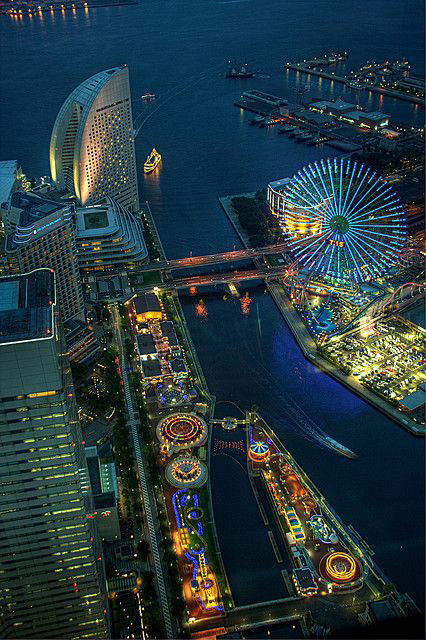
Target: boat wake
point(294, 415)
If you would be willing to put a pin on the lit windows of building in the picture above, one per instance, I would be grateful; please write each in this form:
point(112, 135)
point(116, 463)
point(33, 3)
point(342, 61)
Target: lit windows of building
point(50, 584)
point(92, 151)
point(44, 237)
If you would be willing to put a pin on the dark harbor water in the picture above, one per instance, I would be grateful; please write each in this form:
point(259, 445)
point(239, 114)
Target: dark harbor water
point(179, 51)
point(255, 360)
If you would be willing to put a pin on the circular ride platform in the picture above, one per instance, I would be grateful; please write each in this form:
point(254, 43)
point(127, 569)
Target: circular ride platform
point(182, 431)
point(185, 472)
point(340, 568)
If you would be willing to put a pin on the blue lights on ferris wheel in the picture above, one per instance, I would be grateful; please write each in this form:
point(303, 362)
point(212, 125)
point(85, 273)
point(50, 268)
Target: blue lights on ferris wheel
point(345, 222)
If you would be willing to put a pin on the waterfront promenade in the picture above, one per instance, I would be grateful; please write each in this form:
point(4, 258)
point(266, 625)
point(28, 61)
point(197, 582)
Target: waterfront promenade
point(153, 528)
point(308, 345)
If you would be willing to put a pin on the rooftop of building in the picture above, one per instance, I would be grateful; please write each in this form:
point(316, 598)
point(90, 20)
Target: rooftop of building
point(83, 94)
point(26, 306)
point(169, 332)
point(34, 207)
point(414, 400)
point(382, 610)
point(312, 116)
point(105, 500)
point(97, 220)
point(339, 105)
point(354, 115)
point(146, 344)
point(94, 471)
point(178, 365)
point(279, 184)
point(374, 115)
point(146, 302)
point(8, 172)
point(151, 368)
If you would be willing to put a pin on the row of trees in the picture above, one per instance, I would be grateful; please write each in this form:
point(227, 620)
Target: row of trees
point(153, 252)
point(122, 447)
point(150, 453)
point(255, 218)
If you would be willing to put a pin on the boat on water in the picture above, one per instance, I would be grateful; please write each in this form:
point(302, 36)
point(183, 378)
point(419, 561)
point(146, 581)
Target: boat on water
point(257, 120)
point(148, 97)
point(285, 128)
point(152, 161)
point(239, 72)
point(340, 448)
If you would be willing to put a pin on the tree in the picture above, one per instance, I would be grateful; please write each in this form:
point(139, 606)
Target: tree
point(143, 550)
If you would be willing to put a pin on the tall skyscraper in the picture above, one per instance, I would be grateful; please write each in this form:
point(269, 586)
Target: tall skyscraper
point(44, 236)
point(49, 582)
point(92, 151)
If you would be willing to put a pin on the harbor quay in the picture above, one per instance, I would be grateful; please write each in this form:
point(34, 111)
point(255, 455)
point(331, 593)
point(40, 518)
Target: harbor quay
point(329, 577)
point(171, 386)
point(310, 351)
point(306, 341)
point(309, 67)
point(332, 580)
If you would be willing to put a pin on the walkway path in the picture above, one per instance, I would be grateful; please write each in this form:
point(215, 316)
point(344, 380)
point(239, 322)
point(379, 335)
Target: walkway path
point(147, 496)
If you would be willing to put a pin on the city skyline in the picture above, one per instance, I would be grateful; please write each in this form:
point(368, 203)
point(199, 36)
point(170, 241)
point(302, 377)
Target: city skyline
point(212, 321)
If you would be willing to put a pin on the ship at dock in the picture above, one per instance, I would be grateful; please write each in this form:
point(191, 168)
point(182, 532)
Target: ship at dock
point(152, 161)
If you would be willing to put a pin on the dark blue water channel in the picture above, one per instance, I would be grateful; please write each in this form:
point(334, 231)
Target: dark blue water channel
point(255, 360)
point(179, 51)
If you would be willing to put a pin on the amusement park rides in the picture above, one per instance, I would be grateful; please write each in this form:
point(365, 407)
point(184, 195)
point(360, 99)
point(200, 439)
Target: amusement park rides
point(346, 226)
point(348, 222)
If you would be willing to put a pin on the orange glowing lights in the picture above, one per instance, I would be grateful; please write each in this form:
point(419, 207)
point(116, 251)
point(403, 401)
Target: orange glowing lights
point(201, 310)
point(245, 302)
point(340, 566)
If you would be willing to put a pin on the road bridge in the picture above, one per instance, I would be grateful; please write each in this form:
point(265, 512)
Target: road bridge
point(218, 278)
point(214, 258)
point(337, 611)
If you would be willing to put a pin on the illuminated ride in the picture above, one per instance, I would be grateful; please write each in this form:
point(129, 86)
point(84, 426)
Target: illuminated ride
point(181, 431)
point(203, 585)
point(258, 451)
point(340, 567)
point(152, 161)
point(345, 223)
point(186, 471)
point(322, 530)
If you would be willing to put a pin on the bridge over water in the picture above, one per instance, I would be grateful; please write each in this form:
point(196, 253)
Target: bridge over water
point(214, 258)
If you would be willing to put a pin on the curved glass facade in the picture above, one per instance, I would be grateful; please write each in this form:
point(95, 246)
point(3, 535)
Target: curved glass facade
point(92, 151)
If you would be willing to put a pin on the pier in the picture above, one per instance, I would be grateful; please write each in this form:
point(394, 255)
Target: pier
point(303, 67)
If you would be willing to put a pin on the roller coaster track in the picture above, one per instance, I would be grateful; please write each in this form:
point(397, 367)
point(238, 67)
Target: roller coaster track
point(383, 304)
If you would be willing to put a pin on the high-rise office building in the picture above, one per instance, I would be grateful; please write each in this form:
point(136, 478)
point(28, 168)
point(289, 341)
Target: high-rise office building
point(49, 577)
point(44, 236)
point(92, 151)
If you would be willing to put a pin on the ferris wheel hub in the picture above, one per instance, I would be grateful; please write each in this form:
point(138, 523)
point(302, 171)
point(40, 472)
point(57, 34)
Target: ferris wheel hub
point(340, 224)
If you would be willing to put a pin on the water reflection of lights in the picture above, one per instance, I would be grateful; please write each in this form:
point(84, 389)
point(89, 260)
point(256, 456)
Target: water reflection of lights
point(201, 310)
point(245, 302)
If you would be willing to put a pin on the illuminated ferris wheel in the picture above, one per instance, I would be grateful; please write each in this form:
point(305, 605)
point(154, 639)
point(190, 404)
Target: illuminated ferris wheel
point(344, 221)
